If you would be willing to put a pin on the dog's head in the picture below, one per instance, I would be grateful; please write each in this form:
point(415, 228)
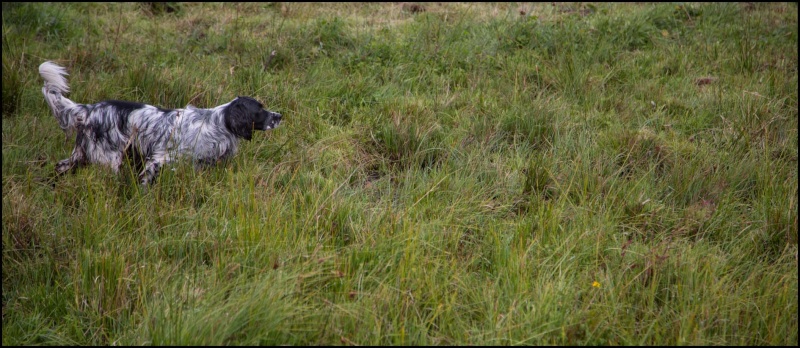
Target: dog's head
point(244, 114)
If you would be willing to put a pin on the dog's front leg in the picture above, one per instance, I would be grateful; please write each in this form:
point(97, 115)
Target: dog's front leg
point(152, 166)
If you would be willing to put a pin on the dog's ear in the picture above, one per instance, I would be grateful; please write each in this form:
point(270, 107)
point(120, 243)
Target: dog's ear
point(239, 118)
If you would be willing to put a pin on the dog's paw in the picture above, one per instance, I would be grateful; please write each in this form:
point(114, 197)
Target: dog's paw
point(144, 179)
point(144, 188)
point(63, 166)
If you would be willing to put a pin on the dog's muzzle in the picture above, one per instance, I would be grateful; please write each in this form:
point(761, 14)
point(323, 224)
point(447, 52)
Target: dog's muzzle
point(273, 121)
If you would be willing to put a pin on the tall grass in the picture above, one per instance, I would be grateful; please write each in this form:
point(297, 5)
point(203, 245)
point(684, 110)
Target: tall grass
point(445, 174)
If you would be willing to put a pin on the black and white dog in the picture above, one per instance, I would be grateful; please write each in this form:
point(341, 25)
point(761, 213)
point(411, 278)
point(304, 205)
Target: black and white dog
point(111, 129)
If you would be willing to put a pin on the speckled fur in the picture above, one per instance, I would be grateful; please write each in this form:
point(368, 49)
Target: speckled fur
point(107, 130)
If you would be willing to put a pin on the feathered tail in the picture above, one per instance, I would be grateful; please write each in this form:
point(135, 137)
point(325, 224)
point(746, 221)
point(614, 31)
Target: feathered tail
point(66, 112)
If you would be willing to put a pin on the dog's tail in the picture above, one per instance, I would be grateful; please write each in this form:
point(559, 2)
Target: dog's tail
point(67, 112)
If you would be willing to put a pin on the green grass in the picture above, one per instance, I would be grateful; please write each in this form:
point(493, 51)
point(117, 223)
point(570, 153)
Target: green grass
point(458, 175)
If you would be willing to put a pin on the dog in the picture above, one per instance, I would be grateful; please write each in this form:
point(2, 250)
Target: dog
point(112, 129)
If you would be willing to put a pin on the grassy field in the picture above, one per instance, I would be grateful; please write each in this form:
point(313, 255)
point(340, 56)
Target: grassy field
point(498, 174)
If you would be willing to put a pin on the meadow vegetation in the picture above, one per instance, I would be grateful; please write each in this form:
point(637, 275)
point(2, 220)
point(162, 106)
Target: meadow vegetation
point(557, 173)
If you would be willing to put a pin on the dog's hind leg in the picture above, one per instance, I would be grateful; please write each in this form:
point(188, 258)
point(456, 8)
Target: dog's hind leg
point(77, 159)
point(74, 161)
